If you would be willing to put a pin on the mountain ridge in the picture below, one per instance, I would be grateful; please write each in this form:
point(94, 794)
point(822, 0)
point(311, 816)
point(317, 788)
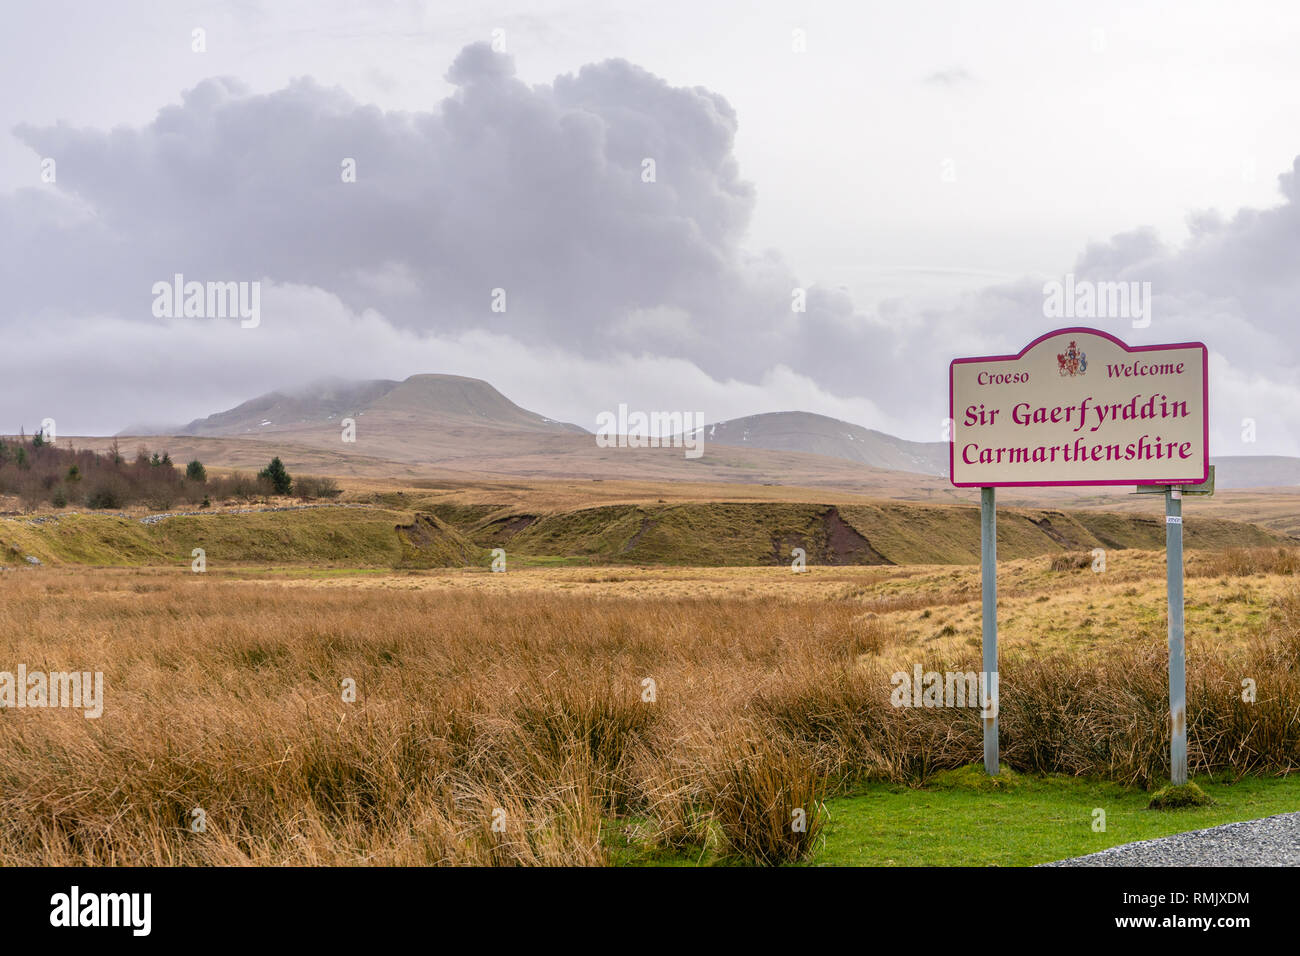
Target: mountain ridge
point(817, 434)
point(467, 424)
point(452, 398)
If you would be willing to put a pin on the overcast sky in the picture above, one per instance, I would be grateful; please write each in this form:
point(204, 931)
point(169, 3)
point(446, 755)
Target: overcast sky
point(921, 169)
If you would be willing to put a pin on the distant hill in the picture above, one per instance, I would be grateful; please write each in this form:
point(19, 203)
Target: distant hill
point(465, 427)
point(442, 399)
point(820, 435)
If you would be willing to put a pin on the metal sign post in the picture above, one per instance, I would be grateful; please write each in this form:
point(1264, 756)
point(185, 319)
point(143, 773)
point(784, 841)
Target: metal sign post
point(1177, 648)
point(1177, 656)
point(989, 591)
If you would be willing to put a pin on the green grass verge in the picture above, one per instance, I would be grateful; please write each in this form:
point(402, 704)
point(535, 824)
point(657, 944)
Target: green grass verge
point(1036, 820)
point(962, 818)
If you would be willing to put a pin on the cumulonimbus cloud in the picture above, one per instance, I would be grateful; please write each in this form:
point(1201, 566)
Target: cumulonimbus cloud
point(543, 191)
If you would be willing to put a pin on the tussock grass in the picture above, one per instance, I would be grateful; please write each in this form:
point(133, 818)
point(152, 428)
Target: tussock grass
point(1179, 797)
point(1242, 562)
point(1071, 561)
point(507, 729)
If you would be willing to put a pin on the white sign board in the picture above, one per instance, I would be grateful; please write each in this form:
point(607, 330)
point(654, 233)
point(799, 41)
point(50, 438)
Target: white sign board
point(1079, 407)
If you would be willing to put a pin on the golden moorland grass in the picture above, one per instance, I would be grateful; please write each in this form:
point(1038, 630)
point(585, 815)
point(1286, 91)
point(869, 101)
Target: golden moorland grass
point(508, 719)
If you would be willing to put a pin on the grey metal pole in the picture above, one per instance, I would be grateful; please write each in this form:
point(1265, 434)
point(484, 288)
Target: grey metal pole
point(989, 591)
point(1177, 655)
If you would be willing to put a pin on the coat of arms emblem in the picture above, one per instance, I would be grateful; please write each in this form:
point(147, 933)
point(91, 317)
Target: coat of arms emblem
point(1073, 361)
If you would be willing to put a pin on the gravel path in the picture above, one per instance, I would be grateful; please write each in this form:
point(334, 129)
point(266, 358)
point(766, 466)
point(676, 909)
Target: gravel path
point(1272, 841)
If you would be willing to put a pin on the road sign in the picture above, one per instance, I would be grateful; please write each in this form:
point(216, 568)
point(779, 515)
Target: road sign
point(1079, 407)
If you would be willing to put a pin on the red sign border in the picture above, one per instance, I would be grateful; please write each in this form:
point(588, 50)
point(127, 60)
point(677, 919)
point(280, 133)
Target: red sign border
point(1205, 404)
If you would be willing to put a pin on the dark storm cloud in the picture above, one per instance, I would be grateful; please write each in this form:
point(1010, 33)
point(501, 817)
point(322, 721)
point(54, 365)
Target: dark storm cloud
point(537, 190)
